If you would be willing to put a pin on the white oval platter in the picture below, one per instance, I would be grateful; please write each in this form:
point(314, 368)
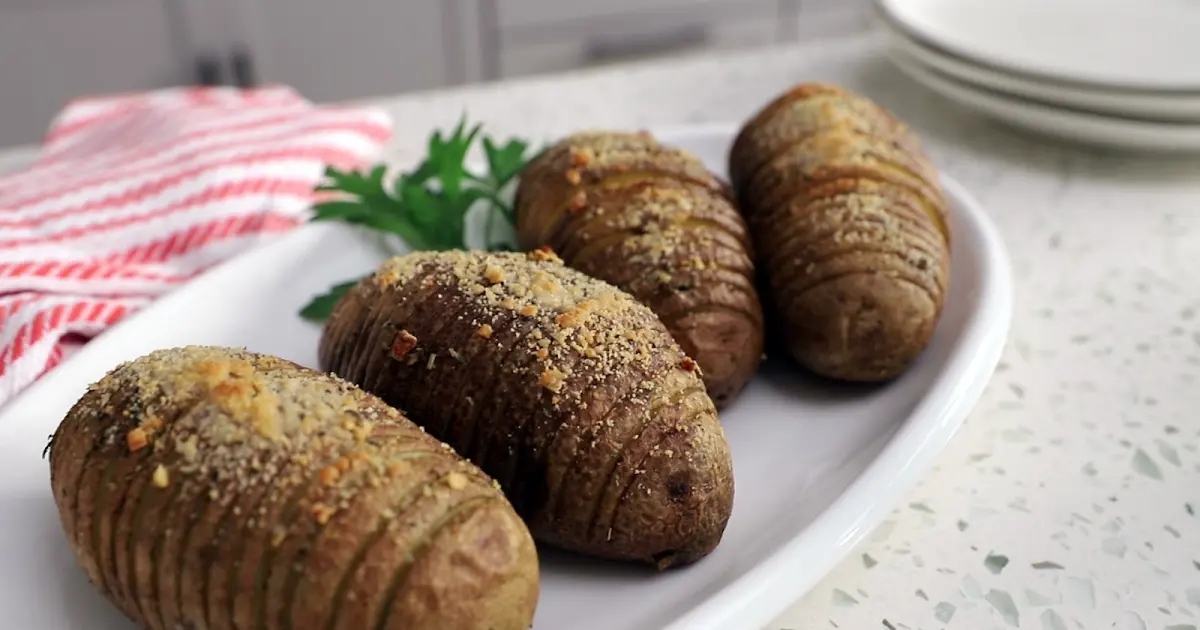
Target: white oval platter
point(817, 466)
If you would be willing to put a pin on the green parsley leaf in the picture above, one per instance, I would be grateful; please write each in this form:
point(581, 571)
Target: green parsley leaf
point(427, 206)
point(506, 161)
point(321, 307)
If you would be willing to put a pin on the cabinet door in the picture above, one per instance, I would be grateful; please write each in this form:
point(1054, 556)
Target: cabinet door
point(349, 49)
point(519, 37)
point(52, 51)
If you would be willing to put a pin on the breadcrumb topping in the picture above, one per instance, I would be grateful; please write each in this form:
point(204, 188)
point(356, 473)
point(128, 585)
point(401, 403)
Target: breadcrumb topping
point(403, 344)
point(552, 379)
point(137, 439)
point(544, 254)
point(582, 328)
point(653, 220)
point(160, 478)
point(235, 420)
point(456, 480)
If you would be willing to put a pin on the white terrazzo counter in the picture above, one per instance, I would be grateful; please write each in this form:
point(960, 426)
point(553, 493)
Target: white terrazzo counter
point(1071, 498)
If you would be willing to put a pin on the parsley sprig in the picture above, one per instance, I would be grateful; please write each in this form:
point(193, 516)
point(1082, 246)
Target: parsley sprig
point(426, 207)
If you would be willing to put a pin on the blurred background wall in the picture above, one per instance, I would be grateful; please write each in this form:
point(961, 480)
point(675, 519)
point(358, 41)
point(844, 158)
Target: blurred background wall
point(54, 50)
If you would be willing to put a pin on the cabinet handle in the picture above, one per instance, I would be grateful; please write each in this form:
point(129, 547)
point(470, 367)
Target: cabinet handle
point(208, 70)
point(603, 49)
point(242, 65)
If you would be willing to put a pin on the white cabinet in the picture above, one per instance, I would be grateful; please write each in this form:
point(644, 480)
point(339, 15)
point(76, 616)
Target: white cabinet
point(520, 37)
point(52, 51)
point(348, 49)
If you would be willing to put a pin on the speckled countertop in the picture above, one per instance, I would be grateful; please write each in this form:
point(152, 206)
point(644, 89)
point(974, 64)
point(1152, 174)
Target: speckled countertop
point(1071, 498)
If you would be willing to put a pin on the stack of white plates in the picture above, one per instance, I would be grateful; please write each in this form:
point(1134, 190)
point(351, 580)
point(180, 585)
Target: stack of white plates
point(1118, 73)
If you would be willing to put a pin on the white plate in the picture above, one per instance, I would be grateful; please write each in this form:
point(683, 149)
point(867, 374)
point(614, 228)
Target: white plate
point(817, 467)
point(1165, 107)
point(1091, 129)
point(1145, 45)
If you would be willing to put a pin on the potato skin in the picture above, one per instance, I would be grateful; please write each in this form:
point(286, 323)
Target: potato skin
point(849, 221)
point(566, 390)
point(204, 487)
point(653, 221)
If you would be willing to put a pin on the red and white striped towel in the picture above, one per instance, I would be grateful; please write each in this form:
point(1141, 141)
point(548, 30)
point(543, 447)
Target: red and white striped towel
point(133, 195)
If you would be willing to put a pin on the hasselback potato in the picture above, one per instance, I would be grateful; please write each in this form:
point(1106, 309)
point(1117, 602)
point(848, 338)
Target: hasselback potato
point(211, 488)
point(566, 390)
point(653, 221)
point(849, 222)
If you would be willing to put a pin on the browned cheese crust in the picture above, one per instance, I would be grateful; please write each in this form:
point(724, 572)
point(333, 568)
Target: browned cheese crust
point(566, 390)
point(655, 222)
point(211, 488)
point(849, 221)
